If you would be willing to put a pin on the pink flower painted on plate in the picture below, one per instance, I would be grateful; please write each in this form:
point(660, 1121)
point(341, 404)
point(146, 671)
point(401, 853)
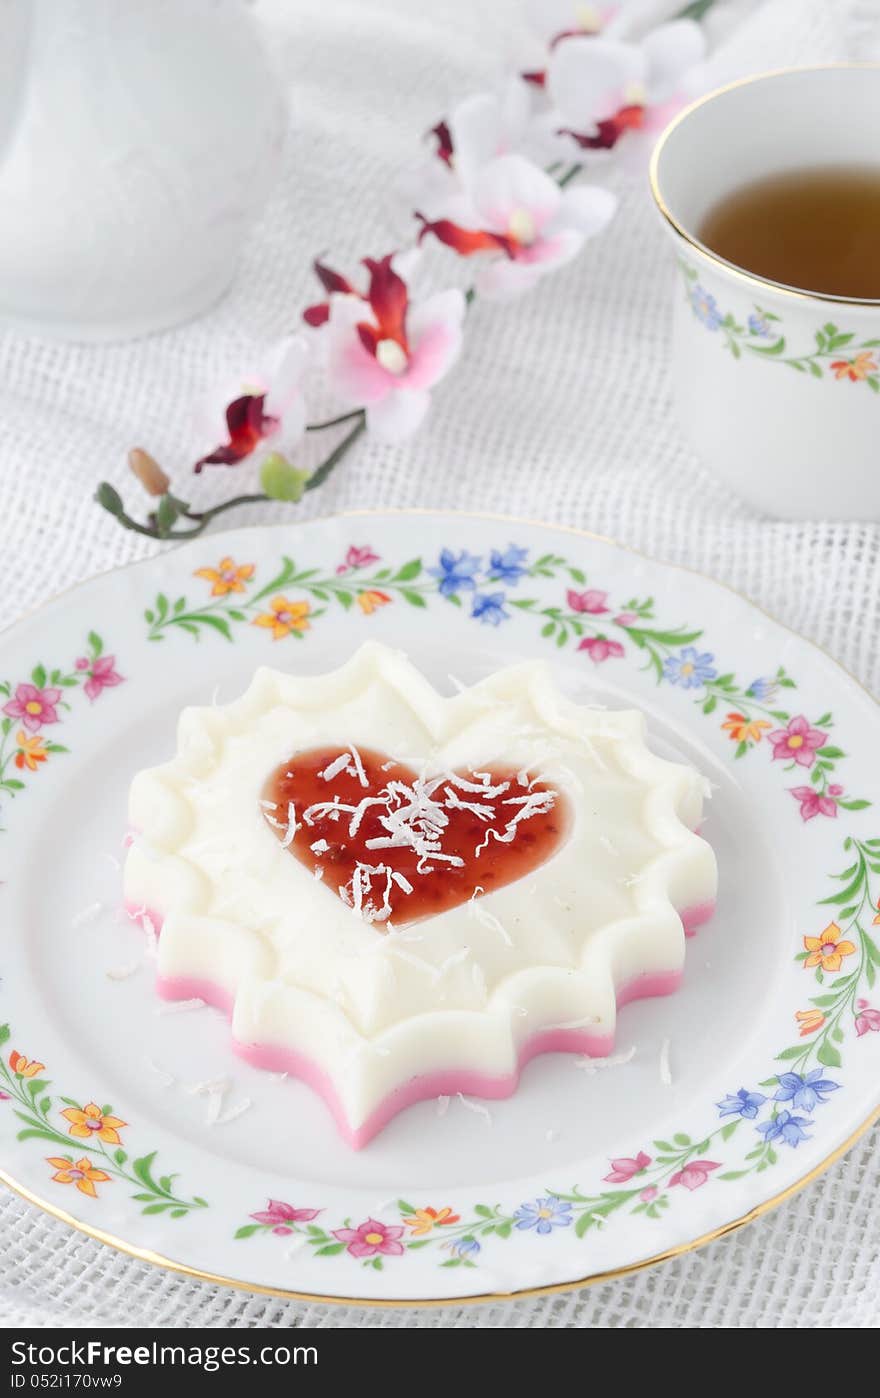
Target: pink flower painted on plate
point(867, 1019)
point(280, 1216)
point(371, 1238)
point(598, 648)
point(625, 619)
point(695, 1174)
point(798, 741)
point(358, 558)
point(649, 1194)
point(592, 601)
point(103, 676)
point(814, 803)
point(82, 662)
point(33, 706)
point(626, 1166)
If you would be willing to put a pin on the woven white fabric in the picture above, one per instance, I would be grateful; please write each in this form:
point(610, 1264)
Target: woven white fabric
point(559, 410)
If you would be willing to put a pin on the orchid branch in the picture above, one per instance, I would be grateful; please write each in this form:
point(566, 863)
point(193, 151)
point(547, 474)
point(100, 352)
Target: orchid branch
point(380, 348)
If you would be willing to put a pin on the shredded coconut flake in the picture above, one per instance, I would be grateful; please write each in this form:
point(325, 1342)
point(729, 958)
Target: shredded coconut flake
point(122, 973)
point(87, 914)
point(613, 1060)
point(209, 1088)
point(167, 1079)
point(455, 958)
point(476, 1107)
point(488, 919)
point(442, 1106)
point(665, 1069)
point(232, 1113)
point(175, 1007)
point(338, 765)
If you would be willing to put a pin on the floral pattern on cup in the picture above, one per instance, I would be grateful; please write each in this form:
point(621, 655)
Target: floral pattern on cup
point(837, 354)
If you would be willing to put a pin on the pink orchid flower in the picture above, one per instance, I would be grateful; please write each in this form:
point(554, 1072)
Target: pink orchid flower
point(867, 1020)
point(649, 1194)
point(797, 741)
point(102, 676)
point(592, 601)
point(599, 648)
point(695, 1174)
point(280, 1216)
point(358, 558)
point(604, 89)
point(33, 706)
point(384, 353)
point(371, 1238)
point(512, 208)
point(624, 1168)
point(813, 804)
point(260, 405)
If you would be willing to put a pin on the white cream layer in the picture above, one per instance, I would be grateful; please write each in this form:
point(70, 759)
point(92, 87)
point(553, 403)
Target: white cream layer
point(463, 988)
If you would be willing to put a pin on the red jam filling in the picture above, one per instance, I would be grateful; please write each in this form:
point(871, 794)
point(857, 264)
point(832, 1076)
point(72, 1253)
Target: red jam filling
point(399, 850)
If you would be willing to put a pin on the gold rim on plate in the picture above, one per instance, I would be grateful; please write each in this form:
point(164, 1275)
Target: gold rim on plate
point(591, 1279)
point(750, 278)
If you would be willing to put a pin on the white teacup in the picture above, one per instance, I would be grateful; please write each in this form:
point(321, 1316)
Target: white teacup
point(777, 387)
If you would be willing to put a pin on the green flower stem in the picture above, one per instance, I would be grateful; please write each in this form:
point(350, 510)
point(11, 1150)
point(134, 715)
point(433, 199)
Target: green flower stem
point(571, 173)
point(335, 421)
point(32, 1097)
point(318, 477)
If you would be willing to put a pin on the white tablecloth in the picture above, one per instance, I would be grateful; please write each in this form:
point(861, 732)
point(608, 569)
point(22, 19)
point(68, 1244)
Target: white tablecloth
point(559, 410)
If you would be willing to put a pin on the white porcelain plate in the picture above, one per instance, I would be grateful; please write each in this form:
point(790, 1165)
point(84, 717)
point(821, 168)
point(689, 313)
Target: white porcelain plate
point(719, 1100)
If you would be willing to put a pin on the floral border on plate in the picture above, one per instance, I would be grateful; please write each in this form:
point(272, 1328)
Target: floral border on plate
point(762, 1119)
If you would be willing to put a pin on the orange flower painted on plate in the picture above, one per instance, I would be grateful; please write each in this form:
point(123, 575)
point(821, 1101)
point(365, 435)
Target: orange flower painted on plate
point(83, 1174)
point(370, 600)
point(857, 369)
point(25, 1067)
point(827, 950)
point(745, 730)
point(284, 617)
point(91, 1121)
point(226, 577)
point(425, 1220)
point(877, 916)
point(809, 1021)
point(31, 751)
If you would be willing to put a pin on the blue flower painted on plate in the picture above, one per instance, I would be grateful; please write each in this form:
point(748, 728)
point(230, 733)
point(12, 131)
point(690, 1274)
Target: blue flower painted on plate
point(544, 1215)
point(805, 1093)
point(488, 608)
point(509, 566)
point(762, 688)
point(759, 325)
point(705, 307)
point(689, 668)
point(742, 1103)
point(785, 1127)
point(455, 571)
point(465, 1248)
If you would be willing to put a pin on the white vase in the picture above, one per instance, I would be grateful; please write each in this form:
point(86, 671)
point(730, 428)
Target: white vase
point(137, 141)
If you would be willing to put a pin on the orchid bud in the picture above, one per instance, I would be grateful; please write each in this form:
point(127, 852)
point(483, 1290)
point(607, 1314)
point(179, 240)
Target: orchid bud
point(282, 481)
point(148, 471)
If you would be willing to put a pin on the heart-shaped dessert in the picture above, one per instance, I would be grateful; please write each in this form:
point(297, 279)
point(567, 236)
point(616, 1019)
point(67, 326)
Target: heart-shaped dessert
point(397, 847)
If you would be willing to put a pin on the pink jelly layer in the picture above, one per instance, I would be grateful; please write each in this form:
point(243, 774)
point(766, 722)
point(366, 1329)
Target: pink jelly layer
point(446, 1082)
point(442, 1083)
